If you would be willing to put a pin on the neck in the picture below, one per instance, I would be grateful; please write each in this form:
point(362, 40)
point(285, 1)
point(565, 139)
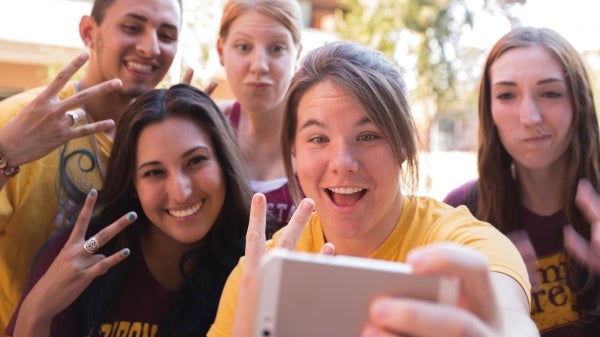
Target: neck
point(542, 191)
point(264, 126)
point(163, 263)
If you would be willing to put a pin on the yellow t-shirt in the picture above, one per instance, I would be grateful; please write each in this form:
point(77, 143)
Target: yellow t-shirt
point(423, 221)
point(29, 201)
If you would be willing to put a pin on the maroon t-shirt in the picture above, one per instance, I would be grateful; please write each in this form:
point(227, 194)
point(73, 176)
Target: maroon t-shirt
point(551, 298)
point(279, 201)
point(138, 312)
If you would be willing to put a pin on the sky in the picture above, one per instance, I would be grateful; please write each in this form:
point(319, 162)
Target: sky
point(576, 20)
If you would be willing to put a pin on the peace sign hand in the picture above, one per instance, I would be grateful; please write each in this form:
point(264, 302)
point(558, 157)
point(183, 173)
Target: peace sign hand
point(71, 272)
point(586, 252)
point(47, 122)
point(255, 249)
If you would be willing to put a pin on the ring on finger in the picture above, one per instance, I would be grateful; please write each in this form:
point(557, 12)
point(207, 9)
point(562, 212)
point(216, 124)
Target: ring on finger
point(91, 245)
point(74, 117)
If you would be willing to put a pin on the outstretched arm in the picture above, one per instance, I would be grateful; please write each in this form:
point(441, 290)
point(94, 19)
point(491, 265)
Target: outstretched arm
point(490, 303)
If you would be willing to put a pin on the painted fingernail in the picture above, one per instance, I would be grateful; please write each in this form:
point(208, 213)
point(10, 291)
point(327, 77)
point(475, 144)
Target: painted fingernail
point(92, 193)
point(125, 252)
point(131, 216)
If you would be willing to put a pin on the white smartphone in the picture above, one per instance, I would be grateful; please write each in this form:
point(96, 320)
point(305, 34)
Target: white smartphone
point(311, 295)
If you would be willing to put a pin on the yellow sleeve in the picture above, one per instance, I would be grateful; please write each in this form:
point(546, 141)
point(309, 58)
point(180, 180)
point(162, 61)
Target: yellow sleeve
point(224, 321)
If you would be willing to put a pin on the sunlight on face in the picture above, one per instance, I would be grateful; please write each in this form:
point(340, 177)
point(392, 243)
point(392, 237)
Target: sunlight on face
point(531, 106)
point(179, 180)
point(346, 165)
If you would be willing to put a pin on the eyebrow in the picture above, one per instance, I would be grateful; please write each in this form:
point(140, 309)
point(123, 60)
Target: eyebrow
point(185, 154)
point(314, 122)
point(145, 19)
point(543, 81)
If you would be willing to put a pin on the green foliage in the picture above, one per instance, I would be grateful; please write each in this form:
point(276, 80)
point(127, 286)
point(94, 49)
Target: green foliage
point(436, 23)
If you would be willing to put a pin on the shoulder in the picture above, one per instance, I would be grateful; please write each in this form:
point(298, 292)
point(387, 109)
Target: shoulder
point(462, 194)
point(226, 107)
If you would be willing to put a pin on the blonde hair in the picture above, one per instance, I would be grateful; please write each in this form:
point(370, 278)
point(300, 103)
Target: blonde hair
point(287, 12)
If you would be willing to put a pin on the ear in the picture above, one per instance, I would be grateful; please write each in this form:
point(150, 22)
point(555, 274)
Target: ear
point(87, 27)
point(220, 43)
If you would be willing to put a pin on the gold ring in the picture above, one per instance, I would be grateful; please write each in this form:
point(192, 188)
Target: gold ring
point(91, 245)
point(73, 116)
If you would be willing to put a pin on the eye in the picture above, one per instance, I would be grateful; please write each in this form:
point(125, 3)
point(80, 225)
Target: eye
point(167, 36)
point(131, 29)
point(552, 94)
point(278, 49)
point(153, 173)
point(243, 47)
point(504, 96)
point(198, 160)
point(318, 140)
point(367, 137)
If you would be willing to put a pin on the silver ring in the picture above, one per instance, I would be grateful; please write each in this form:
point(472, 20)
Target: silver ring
point(74, 117)
point(91, 245)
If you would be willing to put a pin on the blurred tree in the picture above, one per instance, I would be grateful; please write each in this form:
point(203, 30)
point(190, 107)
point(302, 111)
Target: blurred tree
point(430, 31)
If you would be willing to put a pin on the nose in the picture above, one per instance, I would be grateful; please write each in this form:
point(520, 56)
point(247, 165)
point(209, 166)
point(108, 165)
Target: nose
point(179, 187)
point(530, 113)
point(343, 160)
point(148, 44)
point(259, 64)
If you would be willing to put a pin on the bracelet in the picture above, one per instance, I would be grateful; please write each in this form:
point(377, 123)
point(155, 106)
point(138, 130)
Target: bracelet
point(5, 168)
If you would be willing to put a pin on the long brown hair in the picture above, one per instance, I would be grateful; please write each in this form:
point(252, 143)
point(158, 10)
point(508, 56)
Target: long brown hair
point(217, 253)
point(499, 199)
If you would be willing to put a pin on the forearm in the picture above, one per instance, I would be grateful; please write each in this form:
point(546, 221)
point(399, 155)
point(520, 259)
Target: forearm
point(32, 321)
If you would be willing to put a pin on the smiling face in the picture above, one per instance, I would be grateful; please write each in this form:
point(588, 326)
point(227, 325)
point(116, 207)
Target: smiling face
point(178, 179)
point(531, 107)
point(258, 55)
point(346, 165)
point(135, 42)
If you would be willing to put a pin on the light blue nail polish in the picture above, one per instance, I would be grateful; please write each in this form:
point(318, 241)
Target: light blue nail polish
point(125, 252)
point(92, 192)
point(131, 216)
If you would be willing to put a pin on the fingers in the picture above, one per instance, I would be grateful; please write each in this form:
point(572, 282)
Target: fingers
point(85, 95)
point(327, 249)
point(211, 87)
point(412, 317)
point(295, 226)
point(84, 217)
point(588, 200)
point(109, 232)
point(105, 264)
point(65, 75)
point(584, 252)
point(255, 236)
point(88, 129)
point(471, 268)
point(188, 76)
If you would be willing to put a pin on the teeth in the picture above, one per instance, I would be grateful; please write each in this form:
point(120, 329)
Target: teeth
point(139, 66)
point(182, 213)
point(345, 190)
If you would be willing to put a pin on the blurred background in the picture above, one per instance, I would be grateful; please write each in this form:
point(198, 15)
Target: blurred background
point(439, 45)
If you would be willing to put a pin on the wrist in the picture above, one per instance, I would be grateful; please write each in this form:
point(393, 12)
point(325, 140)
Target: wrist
point(6, 166)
